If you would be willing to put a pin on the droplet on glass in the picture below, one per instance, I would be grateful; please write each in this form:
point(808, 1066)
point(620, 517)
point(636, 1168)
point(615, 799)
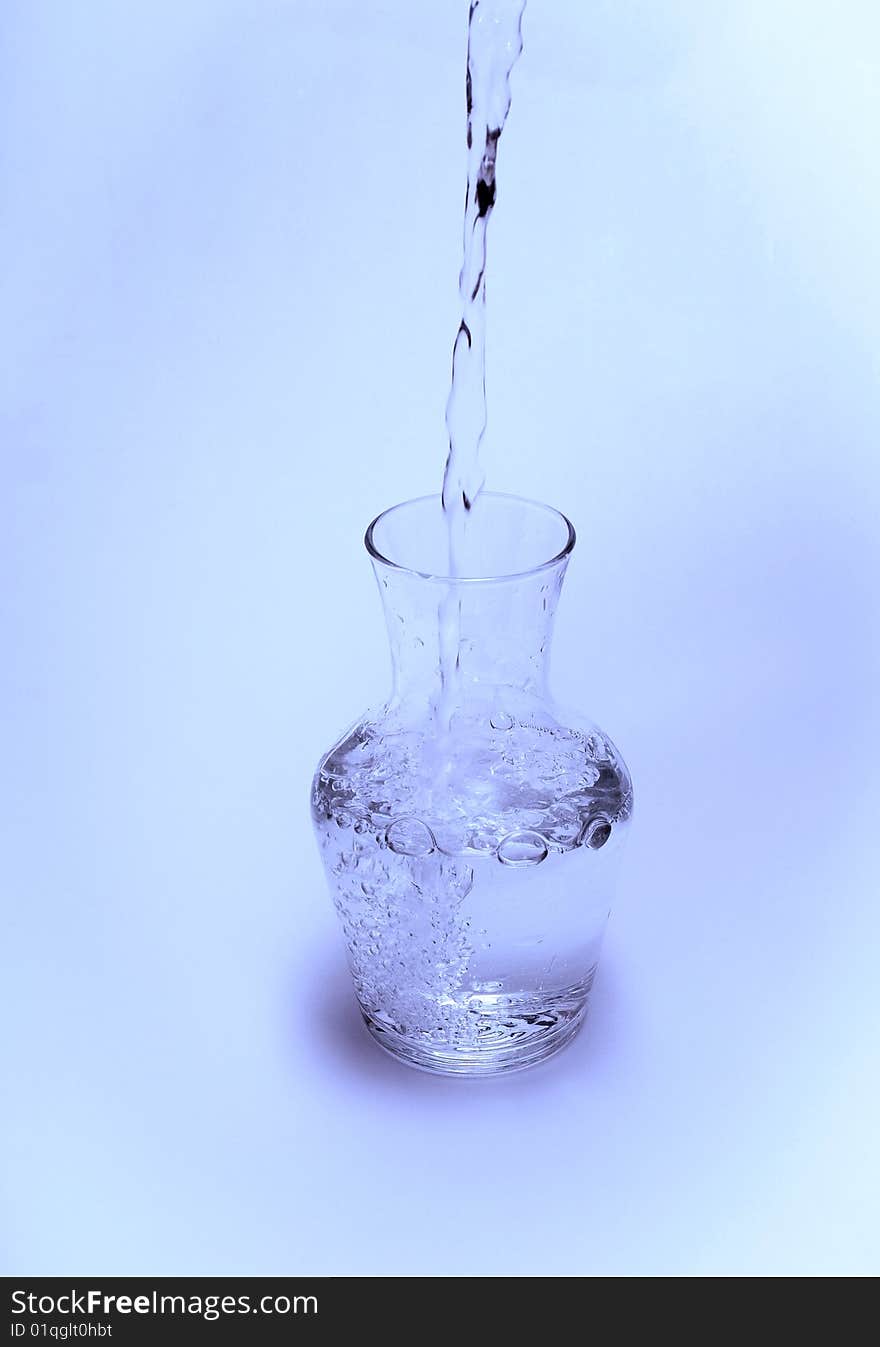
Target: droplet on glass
point(523, 848)
point(410, 837)
point(500, 720)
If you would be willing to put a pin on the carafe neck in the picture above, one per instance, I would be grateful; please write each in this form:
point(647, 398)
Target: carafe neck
point(497, 630)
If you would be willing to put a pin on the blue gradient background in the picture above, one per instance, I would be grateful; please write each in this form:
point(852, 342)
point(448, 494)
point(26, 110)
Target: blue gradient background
point(230, 235)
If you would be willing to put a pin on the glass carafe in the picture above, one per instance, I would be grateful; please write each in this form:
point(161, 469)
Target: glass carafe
point(470, 828)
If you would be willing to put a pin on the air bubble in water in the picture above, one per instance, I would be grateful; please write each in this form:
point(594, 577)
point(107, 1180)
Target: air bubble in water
point(596, 834)
point(410, 837)
point(523, 848)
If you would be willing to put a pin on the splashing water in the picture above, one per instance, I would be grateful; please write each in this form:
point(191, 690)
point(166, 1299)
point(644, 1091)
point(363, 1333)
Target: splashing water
point(473, 902)
point(494, 44)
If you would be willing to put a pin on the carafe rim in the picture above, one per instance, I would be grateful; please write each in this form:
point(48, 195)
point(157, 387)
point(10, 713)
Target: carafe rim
point(433, 577)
